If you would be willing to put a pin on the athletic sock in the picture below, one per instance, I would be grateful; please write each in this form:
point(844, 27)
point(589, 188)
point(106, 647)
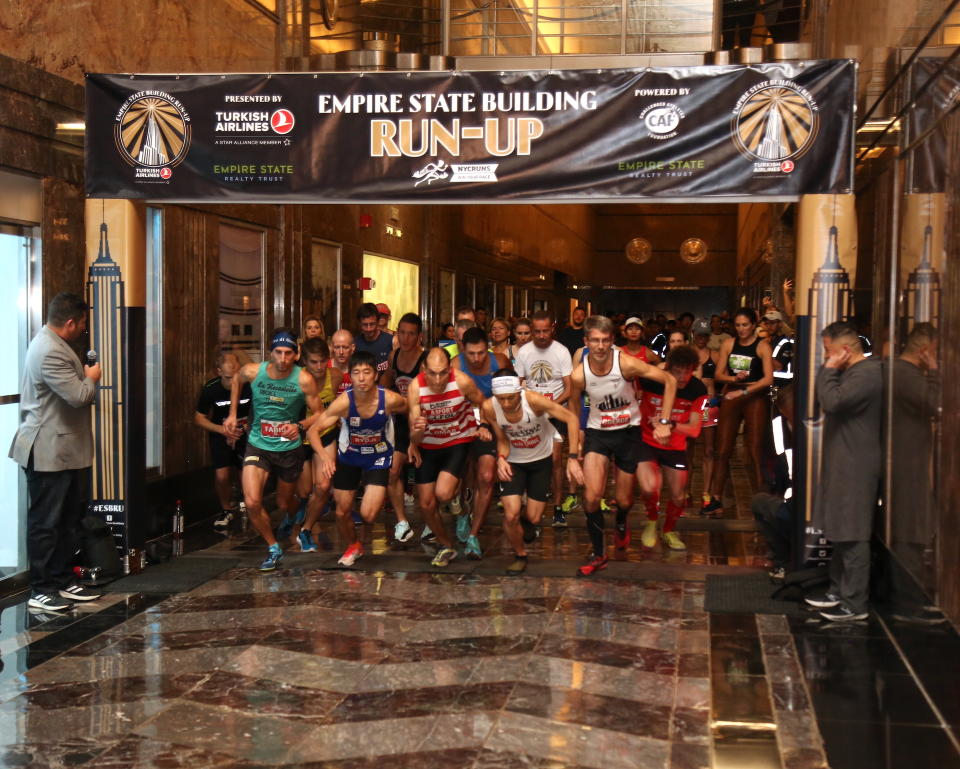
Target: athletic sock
point(622, 517)
point(652, 506)
point(595, 530)
point(674, 511)
point(275, 548)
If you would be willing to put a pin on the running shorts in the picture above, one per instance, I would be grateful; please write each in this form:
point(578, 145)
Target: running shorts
point(532, 478)
point(622, 446)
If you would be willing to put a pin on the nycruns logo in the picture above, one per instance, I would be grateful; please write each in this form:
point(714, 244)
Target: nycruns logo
point(775, 121)
point(152, 133)
point(281, 121)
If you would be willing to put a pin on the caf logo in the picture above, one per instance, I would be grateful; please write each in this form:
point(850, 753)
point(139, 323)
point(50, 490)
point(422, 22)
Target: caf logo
point(152, 129)
point(662, 120)
point(774, 121)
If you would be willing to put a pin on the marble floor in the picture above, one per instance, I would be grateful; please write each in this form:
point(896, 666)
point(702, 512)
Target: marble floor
point(396, 665)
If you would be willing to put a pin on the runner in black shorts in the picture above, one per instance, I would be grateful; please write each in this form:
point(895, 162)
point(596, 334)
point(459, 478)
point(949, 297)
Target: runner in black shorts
point(441, 401)
point(612, 427)
point(226, 451)
point(522, 423)
point(314, 484)
point(364, 451)
point(280, 390)
point(405, 363)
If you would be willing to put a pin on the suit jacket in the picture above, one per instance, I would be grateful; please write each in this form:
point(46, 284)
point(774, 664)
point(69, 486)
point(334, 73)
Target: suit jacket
point(55, 400)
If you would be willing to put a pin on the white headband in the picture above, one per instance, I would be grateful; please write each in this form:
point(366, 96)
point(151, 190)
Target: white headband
point(505, 385)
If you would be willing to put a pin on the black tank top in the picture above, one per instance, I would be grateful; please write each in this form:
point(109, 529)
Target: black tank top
point(402, 379)
point(708, 369)
point(745, 358)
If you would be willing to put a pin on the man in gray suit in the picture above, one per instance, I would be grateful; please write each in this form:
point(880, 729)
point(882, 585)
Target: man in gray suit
point(54, 445)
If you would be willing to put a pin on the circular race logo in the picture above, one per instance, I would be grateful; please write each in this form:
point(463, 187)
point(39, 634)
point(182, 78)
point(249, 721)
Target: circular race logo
point(281, 121)
point(661, 119)
point(774, 121)
point(152, 129)
point(165, 173)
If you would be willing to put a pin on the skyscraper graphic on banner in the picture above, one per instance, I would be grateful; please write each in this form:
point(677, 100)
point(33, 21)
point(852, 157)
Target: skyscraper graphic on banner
point(105, 291)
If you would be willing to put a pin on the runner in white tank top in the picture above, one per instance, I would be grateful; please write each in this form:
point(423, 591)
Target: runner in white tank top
point(613, 429)
point(525, 441)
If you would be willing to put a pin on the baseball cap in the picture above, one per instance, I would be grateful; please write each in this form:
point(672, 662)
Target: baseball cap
point(383, 309)
point(773, 315)
point(633, 320)
point(701, 328)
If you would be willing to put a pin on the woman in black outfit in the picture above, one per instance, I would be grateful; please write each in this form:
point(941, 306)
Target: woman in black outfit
point(745, 373)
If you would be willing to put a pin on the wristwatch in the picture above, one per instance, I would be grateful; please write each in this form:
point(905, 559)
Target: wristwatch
point(663, 421)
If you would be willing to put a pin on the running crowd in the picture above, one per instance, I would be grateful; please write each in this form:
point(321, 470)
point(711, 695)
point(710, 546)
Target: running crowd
point(493, 409)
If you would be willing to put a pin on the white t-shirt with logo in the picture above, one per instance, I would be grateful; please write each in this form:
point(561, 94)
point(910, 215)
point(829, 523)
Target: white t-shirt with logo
point(544, 370)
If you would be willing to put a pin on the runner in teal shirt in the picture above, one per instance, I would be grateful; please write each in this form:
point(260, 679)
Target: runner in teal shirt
point(280, 389)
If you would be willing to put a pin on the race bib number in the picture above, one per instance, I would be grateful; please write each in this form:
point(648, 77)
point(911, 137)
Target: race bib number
point(272, 429)
point(381, 447)
point(610, 420)
point(739, 362)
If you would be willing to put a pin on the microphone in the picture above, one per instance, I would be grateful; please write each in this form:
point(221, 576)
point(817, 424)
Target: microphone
point(91, 357)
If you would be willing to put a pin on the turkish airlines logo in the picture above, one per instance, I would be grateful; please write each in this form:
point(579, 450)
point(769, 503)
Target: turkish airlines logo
point(281, 121)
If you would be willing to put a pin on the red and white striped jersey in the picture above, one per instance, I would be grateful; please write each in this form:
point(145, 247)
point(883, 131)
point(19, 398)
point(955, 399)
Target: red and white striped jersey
point(449, 415)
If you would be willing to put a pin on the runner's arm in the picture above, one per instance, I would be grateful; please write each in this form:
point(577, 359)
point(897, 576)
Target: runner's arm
point(633, 368)
point(246, 373)
point(396, 403)
point(336, 411)
point(543, 405)
point(504, 471)
point(473, 394)
point(723, 372)
point(418, 423)
point(576, 392)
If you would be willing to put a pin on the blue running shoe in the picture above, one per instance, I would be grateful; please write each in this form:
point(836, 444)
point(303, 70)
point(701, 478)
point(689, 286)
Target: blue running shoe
point(285, 529)
point(274, 554)
point(301, 515)
point(307, 545)
point(472, 550)
point(464, 523)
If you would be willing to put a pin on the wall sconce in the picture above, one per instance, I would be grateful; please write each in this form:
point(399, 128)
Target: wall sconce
point(693, 250)
point(638, 251)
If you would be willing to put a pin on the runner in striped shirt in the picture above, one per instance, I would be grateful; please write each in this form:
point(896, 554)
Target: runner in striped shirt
point(441, 400)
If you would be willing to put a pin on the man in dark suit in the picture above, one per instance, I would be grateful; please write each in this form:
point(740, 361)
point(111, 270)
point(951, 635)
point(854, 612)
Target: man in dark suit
point(54, 445)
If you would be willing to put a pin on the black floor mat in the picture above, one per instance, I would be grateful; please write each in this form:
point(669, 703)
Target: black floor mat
point(746, 594)
point(176, 576)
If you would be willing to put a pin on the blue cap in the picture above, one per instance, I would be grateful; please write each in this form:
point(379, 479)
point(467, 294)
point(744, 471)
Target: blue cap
point(283, 339)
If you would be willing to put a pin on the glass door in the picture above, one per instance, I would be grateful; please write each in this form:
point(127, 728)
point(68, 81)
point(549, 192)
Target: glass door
point(20, 261)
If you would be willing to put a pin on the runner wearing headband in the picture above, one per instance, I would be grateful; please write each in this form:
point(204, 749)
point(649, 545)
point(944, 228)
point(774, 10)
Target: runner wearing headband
point(522, 424)
point(365, 449)
point(280, 391)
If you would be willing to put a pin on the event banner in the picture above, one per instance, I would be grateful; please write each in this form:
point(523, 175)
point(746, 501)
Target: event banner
point(775, 130)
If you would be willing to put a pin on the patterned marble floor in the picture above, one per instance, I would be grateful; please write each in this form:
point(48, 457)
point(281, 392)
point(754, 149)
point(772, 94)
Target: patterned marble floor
point(387, 668)
point(324, 669)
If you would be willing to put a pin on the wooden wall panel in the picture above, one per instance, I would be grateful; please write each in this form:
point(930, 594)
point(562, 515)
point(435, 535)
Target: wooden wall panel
point(63, 239)
point(190, 331)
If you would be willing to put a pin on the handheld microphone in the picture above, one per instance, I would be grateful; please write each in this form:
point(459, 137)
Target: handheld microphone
point(92, 357)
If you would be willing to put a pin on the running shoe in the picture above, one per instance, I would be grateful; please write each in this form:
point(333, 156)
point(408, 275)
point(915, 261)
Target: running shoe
point(827, 601)
point(402, 532)
point(351, 554)
point(472, 549)
point(559, 517)
point(223, 521)
point(777, 573)
point(672, 540)
point(468, 499)
point(47, 602)
point(621, 538)
point(270, 563)
point(409, 500)
point(463, 527)
point(569, 504)
point(649, 536)
point(843, 614)
point(285, 529)
point(76, 592)
point(429, 543)
point(712, 509)
point(608, 506)
point(301, 514)
point(443, 557)
point(595, 564)
point(530, 532)
point(356, 517)
point(307, 545)
point(455, 506)
point(518, 566)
